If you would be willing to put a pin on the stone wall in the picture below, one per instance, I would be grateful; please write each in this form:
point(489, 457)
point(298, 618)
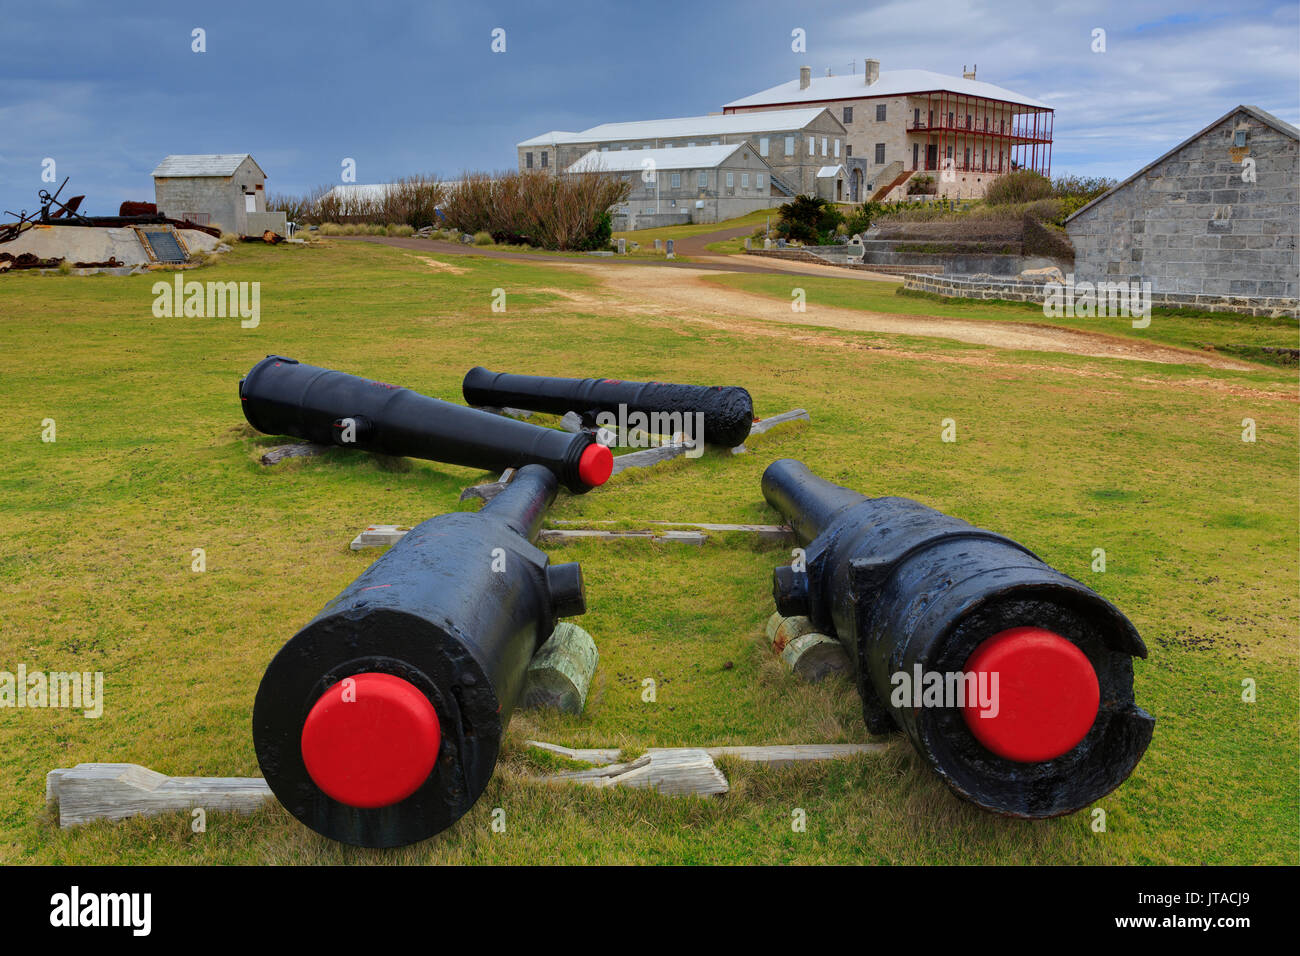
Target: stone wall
point(1019, 290)
point(1191, 224)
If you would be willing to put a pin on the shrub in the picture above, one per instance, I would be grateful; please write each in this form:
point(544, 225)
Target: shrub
point(861, 217)
point(808, 219)
point(1023, 185)
point(482, 238)
point(922, 186)
point(535, 208)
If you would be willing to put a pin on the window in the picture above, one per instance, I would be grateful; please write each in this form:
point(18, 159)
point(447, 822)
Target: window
point(604, 149)
point(744, 180)
point(984, 160)
point(986, 122)
point(837, 149)
point(812, 146)
point(949, 152)
point(713, 142)
point(1239, 137)
point(528, 160)
point(880, 154)
point(704, 180)
point(968, 125)
point(690, 142)
point(880, 113)
point(950, 123)
point(731, 180)
point(545, 156)
point(916, 116)
point(848, 150)
point(677, 180)
point(760, 181)
point(823, 145)
point(789, 145)
point(848, 115)
point(668, 145)
point(966, 161)
point(762, 145)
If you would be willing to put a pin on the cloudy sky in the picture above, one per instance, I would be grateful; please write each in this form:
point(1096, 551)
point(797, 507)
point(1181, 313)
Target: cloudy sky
point(107, 89)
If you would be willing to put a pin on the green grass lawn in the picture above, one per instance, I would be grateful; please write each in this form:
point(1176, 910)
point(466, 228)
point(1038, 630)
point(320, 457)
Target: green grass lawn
point(644, 236)
point(153, 459)
point(1204, 331)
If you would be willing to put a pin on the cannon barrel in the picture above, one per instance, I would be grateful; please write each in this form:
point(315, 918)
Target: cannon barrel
point(282, 396)
point(727, 409)
point(379, 723)
point(1013, 681)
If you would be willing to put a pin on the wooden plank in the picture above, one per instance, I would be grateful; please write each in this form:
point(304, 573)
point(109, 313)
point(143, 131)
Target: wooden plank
point(561, 671)
point(682, 771)
point(579, 754)
point(647, 457)
point(490, 489)
point(379, 536)
point(784, 755)
point(115, 791)
point(553, 535)
point(767, 424)
point(769, 532)
point(297, 450)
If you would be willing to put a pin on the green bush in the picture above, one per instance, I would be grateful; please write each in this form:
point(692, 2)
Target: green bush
point(1024, 185)
point(808, 219)
point(483, 238)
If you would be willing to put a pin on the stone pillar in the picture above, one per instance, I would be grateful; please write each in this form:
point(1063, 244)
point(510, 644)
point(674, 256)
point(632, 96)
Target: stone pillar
point(670, 250)
point(622, 247)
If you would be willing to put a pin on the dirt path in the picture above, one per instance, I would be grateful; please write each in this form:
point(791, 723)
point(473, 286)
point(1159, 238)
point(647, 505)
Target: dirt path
point(683, 293)
point(687, 295)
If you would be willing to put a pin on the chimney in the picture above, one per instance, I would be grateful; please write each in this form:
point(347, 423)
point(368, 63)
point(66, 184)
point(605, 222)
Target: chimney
point(872, 71)
point(805, 77)
point(968, 76)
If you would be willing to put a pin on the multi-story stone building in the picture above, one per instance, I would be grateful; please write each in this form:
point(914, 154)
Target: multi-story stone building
point(1215, 216)
point(960, 131)
point(686, 184)
point(795, 144)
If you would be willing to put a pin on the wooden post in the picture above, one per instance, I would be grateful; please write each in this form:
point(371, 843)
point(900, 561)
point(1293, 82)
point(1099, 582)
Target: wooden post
point(561, 671)
point(115, 791)
point(812, 656)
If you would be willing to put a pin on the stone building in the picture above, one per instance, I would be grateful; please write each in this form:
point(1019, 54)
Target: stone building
point(686, 184)
point(1215, 216)
point(960, 131)
point(794, 144)
point(214, 189)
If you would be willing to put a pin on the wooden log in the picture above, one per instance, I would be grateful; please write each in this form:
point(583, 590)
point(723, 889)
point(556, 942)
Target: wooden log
point(814, 657)
point(777, 533)
point(115, 791)
point(771, 755)
point(582, 755)
point(296, 450)
point(561, 671)
point(571, 422)
point(782, 630)
point(683, 771)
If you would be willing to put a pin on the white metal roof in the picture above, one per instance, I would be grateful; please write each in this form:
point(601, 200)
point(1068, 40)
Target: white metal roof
point(890, 83)
point(634, 160)
point(718, 124)
point(829, 171)
point(203, 164)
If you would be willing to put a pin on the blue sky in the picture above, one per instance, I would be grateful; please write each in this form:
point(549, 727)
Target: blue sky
point(107, 89)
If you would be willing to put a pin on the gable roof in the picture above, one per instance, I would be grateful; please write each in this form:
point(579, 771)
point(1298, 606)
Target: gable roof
point(633, 160)
point(890, 83)
point(826, 171)
point(203, 164)
point(1268, 119)
point(718, 124)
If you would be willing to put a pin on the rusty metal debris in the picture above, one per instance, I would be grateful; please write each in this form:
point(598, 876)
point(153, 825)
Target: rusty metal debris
point(54, 212)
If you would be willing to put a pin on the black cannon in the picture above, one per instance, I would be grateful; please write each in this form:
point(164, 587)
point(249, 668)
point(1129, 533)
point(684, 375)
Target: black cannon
point(379, 723)
point(1013, 681)
point(282, 396)
point(727, 410)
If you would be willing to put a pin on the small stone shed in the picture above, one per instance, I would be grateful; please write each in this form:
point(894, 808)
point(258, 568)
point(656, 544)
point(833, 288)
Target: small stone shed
point(1215, 216)
point(212, 189)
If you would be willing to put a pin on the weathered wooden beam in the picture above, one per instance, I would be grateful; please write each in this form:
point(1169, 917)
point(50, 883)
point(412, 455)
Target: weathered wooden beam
point(490, 489)
point(115, 791)
point(785, 755)
point(778, 533)
point(297, 450)
point(766, 424)
point(647, 457)
point(561, 670)
point(582, 755)
point(552, 535)
point(379, 536)
point(684, 771)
